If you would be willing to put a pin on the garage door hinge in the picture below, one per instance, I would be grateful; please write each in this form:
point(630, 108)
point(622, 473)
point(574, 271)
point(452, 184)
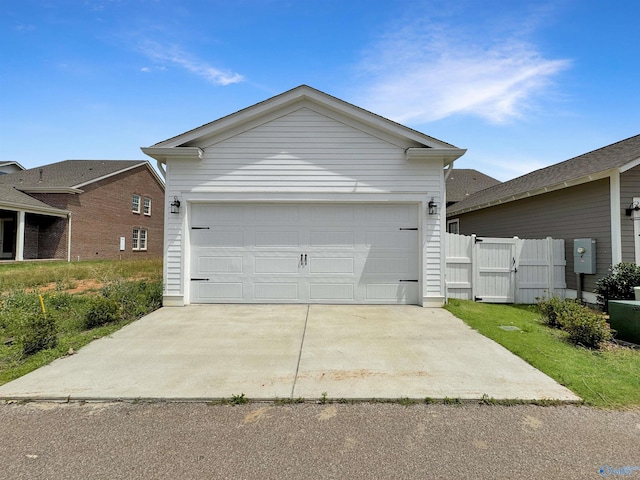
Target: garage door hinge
point(478, 240)
point(408, 228)
point(199, 279)
point(477, 299)
point(199, 228)
point(409, 281)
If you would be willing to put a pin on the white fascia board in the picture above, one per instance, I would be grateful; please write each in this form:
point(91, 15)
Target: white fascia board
point(16, 207)
point(70, 190)
point(446, 155)
point(630, 165)
point(161, 154)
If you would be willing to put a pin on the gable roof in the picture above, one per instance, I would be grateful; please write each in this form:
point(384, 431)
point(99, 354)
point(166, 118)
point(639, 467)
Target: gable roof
point(599, 163)
point(70, 175)
point(10, 167)
point(463, 182)
point(190, 143)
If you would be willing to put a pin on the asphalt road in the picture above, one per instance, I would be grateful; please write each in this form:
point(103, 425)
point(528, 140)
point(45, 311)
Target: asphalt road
point(354, 441)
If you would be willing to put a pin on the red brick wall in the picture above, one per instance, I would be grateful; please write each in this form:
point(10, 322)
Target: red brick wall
point(102, 214)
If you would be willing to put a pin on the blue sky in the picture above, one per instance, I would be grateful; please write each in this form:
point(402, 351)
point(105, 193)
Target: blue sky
point(520, 84)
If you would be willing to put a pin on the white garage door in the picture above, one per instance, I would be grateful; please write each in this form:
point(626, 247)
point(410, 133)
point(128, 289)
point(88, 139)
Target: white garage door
point(292, 253)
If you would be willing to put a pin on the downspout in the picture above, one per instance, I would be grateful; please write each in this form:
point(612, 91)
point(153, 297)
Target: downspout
point(69, 237)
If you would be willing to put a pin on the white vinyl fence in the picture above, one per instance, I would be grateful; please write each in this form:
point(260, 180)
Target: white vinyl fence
point(504, 270)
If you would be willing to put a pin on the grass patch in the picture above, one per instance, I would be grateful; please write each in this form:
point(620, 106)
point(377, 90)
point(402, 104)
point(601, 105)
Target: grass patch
point(134, 287)
point(607, 378)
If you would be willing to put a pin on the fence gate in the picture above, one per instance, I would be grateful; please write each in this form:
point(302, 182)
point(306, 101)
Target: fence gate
point(504, 270)
point(494, 270)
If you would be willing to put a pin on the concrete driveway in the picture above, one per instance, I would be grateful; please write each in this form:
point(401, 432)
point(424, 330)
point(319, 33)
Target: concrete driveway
point(271, 352)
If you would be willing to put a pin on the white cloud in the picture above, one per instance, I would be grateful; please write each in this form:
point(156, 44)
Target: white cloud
point(173, 55)
point(417, 77)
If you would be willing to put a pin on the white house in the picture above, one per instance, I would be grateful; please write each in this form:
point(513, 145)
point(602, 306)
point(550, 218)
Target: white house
point(304, 198)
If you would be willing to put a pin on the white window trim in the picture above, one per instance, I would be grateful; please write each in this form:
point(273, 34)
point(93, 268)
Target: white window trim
point(139, 240)
point(143, 245)
point(144, 206)
point(132, 203)
point(454, 222)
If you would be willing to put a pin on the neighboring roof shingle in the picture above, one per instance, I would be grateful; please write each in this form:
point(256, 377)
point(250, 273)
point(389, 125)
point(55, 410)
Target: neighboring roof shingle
point(68, 173)
point(12, 198)
point(597, 161)
point(463, 182)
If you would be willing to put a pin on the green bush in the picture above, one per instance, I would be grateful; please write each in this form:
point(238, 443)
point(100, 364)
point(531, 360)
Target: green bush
point(39, 332)
point(549, 310)
point(101, 311)
point(586, 327)
point(618, 284)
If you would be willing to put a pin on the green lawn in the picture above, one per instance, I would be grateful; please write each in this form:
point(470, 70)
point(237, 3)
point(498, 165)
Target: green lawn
point(607, 378)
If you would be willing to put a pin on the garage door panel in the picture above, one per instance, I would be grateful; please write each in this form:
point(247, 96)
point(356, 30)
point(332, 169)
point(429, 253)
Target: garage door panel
point(387, 266)
point(277, 265)
point(271, 291)
point(220, 291)
point(319, 292)
point(332, 239)
point(391, 292)
point(217, 238)
point(220, 264)
point(218, 214)
point(274, 238)
point(388, 214)
point(399, 240)
point(281, 214)
point(331, 265)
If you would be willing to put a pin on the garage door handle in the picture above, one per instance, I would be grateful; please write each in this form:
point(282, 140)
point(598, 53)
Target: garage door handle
point(305, 259)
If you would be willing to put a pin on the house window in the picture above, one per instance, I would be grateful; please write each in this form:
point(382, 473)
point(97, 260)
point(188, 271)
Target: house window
point(139, 239)
point(146, 206)
point(453, 226)
point(135, 204)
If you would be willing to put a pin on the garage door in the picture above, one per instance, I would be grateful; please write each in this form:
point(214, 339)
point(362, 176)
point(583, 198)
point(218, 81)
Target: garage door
point(292, 253)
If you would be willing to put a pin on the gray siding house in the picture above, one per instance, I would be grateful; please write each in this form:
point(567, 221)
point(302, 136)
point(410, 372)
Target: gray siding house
point(595, 195)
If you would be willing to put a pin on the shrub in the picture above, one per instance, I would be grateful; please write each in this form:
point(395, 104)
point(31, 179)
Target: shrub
point(549, 310)
point(39, 332)
point(584, 326)
point(618, 284)
point(101, 311)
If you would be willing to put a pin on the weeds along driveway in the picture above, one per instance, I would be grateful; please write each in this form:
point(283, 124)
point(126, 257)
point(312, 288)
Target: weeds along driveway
point(271, 352)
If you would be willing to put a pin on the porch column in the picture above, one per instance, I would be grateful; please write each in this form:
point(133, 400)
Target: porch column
point(20, 237)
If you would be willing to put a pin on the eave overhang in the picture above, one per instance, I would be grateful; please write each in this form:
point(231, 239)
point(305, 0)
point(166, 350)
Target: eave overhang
point(446, 155)
point(161, 154)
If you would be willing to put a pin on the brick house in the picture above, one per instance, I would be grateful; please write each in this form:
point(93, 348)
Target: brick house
point(82, 210)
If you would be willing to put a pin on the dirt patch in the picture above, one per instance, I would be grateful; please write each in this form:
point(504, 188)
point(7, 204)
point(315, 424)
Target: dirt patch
point(78, 286)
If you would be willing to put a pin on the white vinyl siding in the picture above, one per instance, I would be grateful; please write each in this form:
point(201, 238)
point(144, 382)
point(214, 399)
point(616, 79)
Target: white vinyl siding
point(305, 156)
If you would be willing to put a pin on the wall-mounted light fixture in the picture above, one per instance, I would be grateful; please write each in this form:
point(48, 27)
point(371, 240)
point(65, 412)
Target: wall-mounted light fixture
point(632, 207)
point(433, 207)
point(175, 205)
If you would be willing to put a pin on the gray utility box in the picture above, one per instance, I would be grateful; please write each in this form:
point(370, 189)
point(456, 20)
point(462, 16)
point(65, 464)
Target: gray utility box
point(584, 255)
point(624, 317)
